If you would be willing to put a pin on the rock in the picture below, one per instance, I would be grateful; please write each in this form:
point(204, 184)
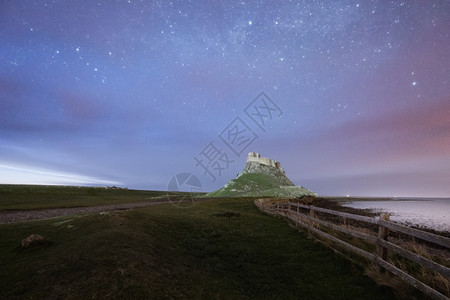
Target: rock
point(32, 240)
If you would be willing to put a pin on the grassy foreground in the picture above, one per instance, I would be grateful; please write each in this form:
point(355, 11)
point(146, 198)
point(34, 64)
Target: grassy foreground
point(219, 249)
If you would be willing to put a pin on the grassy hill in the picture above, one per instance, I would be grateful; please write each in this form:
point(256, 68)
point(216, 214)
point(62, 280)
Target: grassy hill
point(257, 180)
point(220, 248)
point(246, 184)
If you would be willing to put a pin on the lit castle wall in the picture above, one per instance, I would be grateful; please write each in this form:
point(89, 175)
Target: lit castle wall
point(256, 157)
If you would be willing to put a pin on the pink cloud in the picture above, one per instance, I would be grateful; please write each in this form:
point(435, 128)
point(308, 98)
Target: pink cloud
point(79, 106)
point(422, 131)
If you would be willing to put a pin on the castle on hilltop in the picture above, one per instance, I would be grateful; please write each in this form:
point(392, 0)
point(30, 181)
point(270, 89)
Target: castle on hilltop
point(256, 157)
point(262, 177)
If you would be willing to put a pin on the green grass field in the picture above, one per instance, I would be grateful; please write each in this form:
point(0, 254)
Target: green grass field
point(39, 196)
point(217, 249)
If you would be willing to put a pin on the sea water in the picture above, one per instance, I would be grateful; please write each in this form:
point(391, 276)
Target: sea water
point(433, 213)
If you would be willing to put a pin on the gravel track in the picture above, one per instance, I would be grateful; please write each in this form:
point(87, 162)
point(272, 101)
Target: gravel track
point(15, 216)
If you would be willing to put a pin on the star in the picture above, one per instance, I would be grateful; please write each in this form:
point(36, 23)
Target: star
point(414, 83)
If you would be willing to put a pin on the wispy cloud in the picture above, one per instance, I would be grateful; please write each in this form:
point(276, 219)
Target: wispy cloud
point(14, 174)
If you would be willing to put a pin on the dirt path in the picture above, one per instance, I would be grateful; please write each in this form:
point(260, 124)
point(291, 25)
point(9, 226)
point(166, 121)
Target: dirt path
point(14, 216)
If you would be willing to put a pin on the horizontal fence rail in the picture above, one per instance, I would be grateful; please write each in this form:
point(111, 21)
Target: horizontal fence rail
point(427, 236)
point(293, 211)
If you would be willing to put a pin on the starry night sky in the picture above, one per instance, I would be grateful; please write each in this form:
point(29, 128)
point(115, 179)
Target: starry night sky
point(130, 93)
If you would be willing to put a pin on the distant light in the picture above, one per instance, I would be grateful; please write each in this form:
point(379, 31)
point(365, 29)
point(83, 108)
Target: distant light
point(414, 83)
point(348, 196)
point(250, 22)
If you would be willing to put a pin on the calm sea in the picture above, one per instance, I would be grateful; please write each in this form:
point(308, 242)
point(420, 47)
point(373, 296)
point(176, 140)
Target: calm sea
point(426, 212)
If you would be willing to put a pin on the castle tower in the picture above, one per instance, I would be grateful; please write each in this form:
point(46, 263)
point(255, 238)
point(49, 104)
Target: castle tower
point(254, 154)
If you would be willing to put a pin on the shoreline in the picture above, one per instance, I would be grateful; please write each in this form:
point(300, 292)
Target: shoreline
point(415, 217)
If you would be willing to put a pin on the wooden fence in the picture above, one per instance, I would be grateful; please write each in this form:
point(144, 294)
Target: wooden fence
point(305, 216)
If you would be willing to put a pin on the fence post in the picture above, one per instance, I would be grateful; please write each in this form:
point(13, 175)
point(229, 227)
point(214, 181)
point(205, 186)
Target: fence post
point(289, 206)
point(312, 214)
point(383, 233)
